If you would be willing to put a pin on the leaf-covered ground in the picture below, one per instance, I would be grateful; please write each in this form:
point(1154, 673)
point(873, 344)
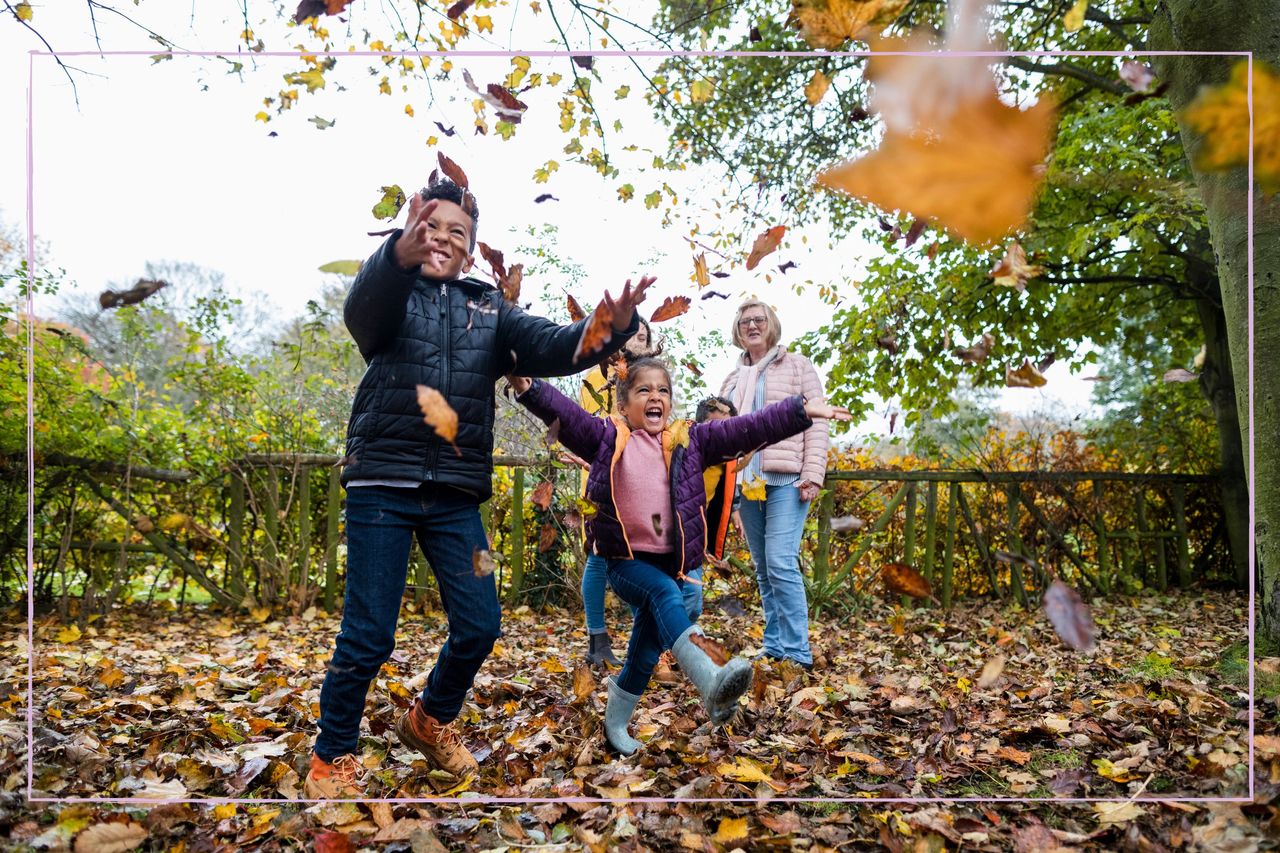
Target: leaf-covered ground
point(197, 705)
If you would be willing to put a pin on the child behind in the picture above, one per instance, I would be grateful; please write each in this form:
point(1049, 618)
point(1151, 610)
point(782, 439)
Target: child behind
point(646, 483)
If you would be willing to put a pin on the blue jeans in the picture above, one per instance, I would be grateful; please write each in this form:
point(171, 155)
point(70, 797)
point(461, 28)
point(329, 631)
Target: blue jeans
point(660, 618)
point(774, 527)
point(381, 524)
point(693, 594)
point(593, 583)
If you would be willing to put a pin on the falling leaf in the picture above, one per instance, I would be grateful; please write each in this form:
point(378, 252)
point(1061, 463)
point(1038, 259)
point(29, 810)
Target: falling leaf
point(816, 87)
point(392, 200)
point(671, 307)
point(447, 131)
point(847, 524)
point(1074, 19)
point(1221, 116)
point(342, 267)
point(24, 11)
point(714, 293)
point(1013, 269)
point(700, 270)
point(583, 61)
point(893, 420)
point(975, 172)
point(731, 829)
point(458, 8)
point(575, 310)
point(754, 35)
point(991, 672)
point(1025, 376)
point(1138, 76)
point(888, 342)
point(452, 170)
point(828, 24)
point(140, 291)
point(765, 244)
point(656, 521)
point(789, 265)
point(1070, 616)
point(545, 197)
point(977, 353)
point(482, 563)
point(754, 490)
point(1179, 374)
point(553, 434)
point(546, 537)
point(542, 495)
point(904, 580)
point(693, 368)
point(597, 333)
point(438, 415)
point(701, 90)
point(914, 232)
point(510, 283)
point(322, 123)
point(713, 650)
point(111, 837)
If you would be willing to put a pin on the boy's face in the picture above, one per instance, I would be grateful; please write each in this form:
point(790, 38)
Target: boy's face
point(449, 235)
point(717, 415)
point(638, 344)
point(648, 405)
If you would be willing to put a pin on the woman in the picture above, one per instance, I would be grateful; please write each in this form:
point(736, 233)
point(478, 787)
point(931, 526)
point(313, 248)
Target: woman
point(596, 397)
point(778, 483)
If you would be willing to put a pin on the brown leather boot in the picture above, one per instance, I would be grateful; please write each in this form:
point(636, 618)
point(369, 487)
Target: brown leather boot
point(340, 780)
point(439, 744)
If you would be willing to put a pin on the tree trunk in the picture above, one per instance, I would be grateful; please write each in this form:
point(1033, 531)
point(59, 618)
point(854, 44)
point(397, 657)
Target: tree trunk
point(1247, 25)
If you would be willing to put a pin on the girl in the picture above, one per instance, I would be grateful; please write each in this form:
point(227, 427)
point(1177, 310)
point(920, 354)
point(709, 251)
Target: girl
point(647, 486)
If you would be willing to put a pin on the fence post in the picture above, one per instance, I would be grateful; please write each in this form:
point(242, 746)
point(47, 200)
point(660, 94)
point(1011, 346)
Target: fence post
point(517, 532)
point(930, 528)
point(1100, 527)
point(822, 560)
point(271, 524)
point(909, 534)
point(1140, 508)
point(304, 530)
point(1180, 523)
point(949, 546)
point(331, 539)
point(1015, 543)
point(983, 552)
point(235, 537)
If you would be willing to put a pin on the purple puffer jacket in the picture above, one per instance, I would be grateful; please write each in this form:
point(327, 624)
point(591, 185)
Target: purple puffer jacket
point(689, 448)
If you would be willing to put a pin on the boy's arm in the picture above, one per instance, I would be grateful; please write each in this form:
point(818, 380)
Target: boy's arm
point(731, 437)
point(579, 431)
point(375, 307)
point(543, 348)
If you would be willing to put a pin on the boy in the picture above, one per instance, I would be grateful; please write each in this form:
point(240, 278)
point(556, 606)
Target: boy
point(416, 322)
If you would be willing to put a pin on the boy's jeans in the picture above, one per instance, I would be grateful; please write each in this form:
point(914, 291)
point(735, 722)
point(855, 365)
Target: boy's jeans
point(660, 618)
point(381, 524)
point(774, 527)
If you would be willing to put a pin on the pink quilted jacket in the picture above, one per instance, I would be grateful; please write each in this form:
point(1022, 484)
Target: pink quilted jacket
point(805, 453)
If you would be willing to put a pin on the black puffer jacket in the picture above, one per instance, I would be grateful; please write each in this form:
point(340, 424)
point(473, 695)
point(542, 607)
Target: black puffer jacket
point(457, 337)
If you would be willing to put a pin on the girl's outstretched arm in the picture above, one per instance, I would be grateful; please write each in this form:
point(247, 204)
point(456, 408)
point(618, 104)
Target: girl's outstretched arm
point(579, 431)
point(732, 437)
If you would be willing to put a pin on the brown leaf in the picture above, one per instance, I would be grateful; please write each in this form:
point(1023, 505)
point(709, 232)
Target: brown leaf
point(542, 495)
point(1025, 376)
point(991, 672)
point(456, 10)
point(494, 258)
point(656, 520)
point(482, 563)
point(827, 24)
point(904, 580)
point(765, 244)
point(553, 434)
point(693, 368)
point(1017, 756)
point(700, 274)
point(847, 524)
point(438, 415)
point(1013, 269)
point(546, 537)
point(1070, 616)
point(598, 332)
point(583, 683)
point(671, 307)
point(140, 291)
point(977, 353)
point(334, 842)
point(110, 838)
point(888, 342)
point(452, 170)
point(511, 283)
point(713, 650)
point(575, 310)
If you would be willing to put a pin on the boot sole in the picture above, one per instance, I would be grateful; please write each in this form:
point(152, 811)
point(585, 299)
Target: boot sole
point(734, 681)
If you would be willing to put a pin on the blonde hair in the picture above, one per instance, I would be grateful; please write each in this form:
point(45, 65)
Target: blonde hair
point(773, 326)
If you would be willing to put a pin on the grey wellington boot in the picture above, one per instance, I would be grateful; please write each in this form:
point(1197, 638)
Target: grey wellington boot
point(617, 714)
point(719, 686)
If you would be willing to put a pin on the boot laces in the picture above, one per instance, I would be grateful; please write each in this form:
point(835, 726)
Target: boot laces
point(347, 770)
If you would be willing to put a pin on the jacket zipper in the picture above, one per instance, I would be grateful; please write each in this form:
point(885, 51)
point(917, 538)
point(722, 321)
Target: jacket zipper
point(444, 370)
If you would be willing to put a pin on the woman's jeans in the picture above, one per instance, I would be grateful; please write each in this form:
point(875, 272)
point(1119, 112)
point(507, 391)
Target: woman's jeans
point(381, 524)
point(594, 577)
point(657, 601)
point(774, 527)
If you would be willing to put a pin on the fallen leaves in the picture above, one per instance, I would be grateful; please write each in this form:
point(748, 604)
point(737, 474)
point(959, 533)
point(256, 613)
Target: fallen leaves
point(765, 244)
point(1221, 116)
point(438, 415)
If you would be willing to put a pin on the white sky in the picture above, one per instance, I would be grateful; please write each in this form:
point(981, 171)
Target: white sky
point(150, 168)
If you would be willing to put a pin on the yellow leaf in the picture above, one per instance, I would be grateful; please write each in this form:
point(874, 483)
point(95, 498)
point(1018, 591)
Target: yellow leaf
point(1025, 376)
point(432, 141)
point(700, 274)
point(817, 87)
point(313, 79)
point(975, 170)
point(1013, 269)
point(174, 521)
point(438, 414)
point(1074, 19)
point(743, 770)
point(69, 634)
point(408, 110)
point(1221, 116)
point(553, 665)
point(224, 811)
point(262, 117)
point(731, 829)
point(827, 24)
point(111, 677)
point(754, 491)
point(260, 614)
point(702, 90)
point(483, 23)
point(23, 11)
point(1117, 812)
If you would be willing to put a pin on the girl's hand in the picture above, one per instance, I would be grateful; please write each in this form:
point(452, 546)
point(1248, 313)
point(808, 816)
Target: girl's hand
point(821, 409)
point(519, 384)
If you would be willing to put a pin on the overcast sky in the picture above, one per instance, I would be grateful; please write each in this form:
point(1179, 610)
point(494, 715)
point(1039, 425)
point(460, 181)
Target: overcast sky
point(152, 165)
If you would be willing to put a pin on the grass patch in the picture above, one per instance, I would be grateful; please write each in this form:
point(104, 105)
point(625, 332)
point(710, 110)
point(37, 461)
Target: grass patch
point(1234, 668)
point(1155, 667)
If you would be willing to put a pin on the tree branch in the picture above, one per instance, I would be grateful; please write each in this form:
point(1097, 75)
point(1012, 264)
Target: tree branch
point(1064, 69)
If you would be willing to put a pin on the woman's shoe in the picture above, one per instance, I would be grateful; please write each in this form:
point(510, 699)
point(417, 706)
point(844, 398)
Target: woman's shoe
point(600, 651)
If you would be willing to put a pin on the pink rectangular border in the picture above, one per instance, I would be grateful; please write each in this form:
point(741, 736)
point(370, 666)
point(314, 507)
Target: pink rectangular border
point(30, 345)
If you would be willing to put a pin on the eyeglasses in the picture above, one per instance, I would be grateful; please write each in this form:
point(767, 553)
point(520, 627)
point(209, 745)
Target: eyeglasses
point(748, 322)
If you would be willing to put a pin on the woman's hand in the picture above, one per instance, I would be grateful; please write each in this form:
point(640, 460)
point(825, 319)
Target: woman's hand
point(809, 490)
point(519, 384)
point(821, 409)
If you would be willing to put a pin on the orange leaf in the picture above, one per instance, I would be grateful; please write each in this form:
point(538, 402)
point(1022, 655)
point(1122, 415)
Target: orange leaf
point(904, 580)
point(583, 684)
point(452, 170)
point(816, 87)
point(575, 310)
point(494, 258)
point(1025, 376)
point(827, 24)
point(714, 650)
point(511, 283)
point(546, 537)
point(482, 563)
point(1013, 269)
point(599, 331)
point(1221, 116)
point(334, 842)
point(542, 495)
point(671, 307)
point(700, 274)
point(438, 415)
point(975, 172)
point(765, 244)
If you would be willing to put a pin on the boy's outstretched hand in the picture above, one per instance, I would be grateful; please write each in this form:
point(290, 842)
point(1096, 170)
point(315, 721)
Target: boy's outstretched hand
point(414, 246)
point(627, 302)
point(519, 384)
point(822, 409)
